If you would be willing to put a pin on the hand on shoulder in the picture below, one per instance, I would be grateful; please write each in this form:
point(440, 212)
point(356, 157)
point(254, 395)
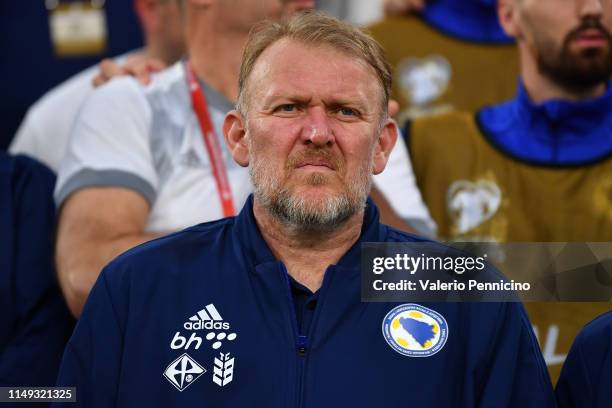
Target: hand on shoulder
point(139, 65)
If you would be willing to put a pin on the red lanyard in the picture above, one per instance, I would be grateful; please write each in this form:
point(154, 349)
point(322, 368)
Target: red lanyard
point(200, 108)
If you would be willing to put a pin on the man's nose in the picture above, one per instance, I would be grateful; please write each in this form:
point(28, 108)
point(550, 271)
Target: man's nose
point(590, 8)
point(317, 129)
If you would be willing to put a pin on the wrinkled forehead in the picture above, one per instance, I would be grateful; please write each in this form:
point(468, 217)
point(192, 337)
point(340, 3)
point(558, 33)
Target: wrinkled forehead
point(292, 68)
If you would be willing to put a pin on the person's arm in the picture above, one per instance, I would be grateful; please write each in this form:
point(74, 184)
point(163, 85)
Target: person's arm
point(106, 184)
point(96, 225)
point(587, 371)
point(575, 387)
point(513, 373)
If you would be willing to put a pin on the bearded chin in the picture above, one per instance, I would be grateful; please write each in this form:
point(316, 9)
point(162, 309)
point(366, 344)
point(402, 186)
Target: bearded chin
point(577, 71)
point(303, 212)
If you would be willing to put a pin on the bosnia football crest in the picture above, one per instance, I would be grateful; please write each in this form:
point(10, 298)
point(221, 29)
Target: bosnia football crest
point(414, 330)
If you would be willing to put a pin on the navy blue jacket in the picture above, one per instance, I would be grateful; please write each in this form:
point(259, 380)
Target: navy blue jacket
point(35, 324)
point(205, 317)
point(586, 377)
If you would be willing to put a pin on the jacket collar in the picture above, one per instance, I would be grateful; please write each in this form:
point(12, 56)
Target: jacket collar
point(552, 133)
point(574, 115)
point(247, 234)
point(468, 20)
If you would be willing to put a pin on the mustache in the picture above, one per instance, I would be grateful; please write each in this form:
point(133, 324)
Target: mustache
point(314, 153)
point(589, 24)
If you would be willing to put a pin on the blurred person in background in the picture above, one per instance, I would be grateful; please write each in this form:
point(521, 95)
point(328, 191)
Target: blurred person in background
point(35, 323)
point(446, 55)
point(538, 167)
point(355, 11)
point(44, 132)
point(587, 372)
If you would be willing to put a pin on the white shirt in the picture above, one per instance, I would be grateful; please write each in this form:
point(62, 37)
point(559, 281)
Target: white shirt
point(398, 185)
point(148, 139)
point(43, 133)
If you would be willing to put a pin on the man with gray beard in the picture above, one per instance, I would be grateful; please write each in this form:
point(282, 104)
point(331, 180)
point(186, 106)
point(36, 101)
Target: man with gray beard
point(299, 213)
point(263, 309)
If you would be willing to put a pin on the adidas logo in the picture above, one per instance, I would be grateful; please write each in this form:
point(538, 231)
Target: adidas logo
point(191, 159)
point(207, 318)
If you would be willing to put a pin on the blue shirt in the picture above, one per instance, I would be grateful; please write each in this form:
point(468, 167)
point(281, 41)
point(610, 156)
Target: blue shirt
point(468, 20)
point(207, 317)
point(586, 377)
point(34, 322)
point(553, 133)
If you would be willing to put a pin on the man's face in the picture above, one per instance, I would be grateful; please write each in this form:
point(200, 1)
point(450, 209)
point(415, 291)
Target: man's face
point(312, 129)
point(569, 39)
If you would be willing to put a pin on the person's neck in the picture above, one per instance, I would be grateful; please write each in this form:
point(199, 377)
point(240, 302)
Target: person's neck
point(307, 255)
point(541, 88)
point(155, 50)
point(216, 56)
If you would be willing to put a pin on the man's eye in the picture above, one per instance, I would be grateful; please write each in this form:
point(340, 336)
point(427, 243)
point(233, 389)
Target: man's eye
point(288, 107)
point(347, 112)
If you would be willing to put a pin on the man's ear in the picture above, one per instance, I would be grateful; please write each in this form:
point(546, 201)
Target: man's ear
point(507, 12)
point(234, 131)
point(384, 145)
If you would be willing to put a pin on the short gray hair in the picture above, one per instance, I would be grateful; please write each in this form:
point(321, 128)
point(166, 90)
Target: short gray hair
point(315, 28)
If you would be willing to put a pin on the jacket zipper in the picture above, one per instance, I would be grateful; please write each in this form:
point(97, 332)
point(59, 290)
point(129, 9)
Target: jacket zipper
point(301, 342)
